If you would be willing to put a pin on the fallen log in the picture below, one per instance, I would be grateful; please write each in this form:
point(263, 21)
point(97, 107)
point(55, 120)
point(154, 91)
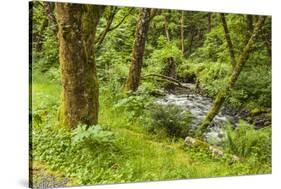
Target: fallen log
point(215, 151)
point(168, 79)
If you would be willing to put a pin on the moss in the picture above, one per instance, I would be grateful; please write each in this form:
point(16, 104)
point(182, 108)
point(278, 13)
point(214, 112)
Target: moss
point(77, 29)
point(134, 75)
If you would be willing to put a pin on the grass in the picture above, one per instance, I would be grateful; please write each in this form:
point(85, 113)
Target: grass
point(139, 155)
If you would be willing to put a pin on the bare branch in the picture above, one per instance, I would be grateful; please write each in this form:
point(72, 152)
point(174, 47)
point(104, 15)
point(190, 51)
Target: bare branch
point(123, 19)
point(101, 37)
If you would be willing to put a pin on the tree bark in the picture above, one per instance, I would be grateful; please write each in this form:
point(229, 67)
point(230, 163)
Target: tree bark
point(232, 79)
point(80, 92)
point(228, 40)
point(182, 32)
point(133, 79)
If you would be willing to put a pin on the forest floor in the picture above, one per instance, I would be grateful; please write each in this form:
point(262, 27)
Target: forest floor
point(144, 157)
point(43, 177)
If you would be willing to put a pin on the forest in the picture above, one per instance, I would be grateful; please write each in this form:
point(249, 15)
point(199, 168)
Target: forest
point(124, 94)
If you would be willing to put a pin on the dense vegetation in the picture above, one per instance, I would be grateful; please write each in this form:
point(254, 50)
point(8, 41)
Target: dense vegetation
point(95, 76)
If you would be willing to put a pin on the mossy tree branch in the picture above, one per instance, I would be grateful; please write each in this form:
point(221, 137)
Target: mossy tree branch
point(222, 95)
point(168, 79)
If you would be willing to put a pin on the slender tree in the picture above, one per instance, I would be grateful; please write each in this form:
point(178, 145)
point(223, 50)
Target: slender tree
point(182, 32)
point(77, 28)
point(38, 33)
point(228, 39)
point(222, 95)
point(170, 66)
point(249, 28)
point(108, 28)
point(112, 12)
point(141, 32)
point(192, 32)
point(209, 21)
point(267, 41)
point(49, 10)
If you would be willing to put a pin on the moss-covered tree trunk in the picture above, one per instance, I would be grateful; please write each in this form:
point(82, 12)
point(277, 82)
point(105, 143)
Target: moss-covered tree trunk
point(80, 92)
point(222, 95)
point(133, 79)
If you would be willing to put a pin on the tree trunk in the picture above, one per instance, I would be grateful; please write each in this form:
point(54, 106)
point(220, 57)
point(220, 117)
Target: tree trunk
point(101, 37)
point(80, 92)
point(209, 22)
point(170, 66)
point(191, 37)
point(182, 32)
point(250, 28)
point(215, 151)
point(49, 9)
point(268, 48)
point(266, 36)
point(232, 79)
point(166, 26)
point(133, 79)
point(228, 40)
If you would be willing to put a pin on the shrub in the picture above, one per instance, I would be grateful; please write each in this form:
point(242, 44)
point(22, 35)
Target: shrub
point(136, 104)
point(245, 141)
point(48, 57)
point(92, 136)
point(53, 74)
point(155, 63)
point(170, 118)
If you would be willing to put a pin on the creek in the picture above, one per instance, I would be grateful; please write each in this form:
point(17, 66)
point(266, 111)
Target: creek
point(198, 106)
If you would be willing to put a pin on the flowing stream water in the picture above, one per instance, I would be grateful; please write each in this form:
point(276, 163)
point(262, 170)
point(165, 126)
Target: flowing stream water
point(198, 106)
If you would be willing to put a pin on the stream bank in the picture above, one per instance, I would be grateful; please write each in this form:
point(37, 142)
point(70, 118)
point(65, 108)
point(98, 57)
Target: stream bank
point(198, 105)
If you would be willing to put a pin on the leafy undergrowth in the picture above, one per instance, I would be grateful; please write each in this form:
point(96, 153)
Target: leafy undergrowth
point(120, 149)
